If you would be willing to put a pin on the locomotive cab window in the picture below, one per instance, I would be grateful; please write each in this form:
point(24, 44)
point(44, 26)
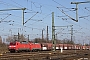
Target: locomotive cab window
point(24, 42)
point(13, 43)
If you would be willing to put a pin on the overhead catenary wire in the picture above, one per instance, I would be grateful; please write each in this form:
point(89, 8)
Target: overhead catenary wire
point(5, 17)
point(30, 18)
point(61, 7)
point(19, 4)
point(67, 15)
point(44, 18)
point(8, 4)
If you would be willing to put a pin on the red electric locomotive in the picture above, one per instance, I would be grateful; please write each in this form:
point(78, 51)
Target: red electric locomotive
point(35, 46)
point(24, 46)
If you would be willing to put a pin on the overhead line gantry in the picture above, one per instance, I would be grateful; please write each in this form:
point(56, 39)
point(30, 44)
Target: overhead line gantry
point(17, 9)
point(77, 7)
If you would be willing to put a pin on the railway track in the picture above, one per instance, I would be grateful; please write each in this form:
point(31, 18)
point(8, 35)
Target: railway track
point(45, 55)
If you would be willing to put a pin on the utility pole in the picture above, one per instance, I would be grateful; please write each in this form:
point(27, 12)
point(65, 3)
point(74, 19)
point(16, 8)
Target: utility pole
point(47, 33)
point(76, 12)
point(18, 35)
point(56, 36)
point(11, 34)
point(71, 33)
point(28, 38)
point(23, 16)
point(42, 35)
point(77, 8)
point(53, 33)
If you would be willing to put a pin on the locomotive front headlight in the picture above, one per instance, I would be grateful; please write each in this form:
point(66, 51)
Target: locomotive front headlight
point(14, 46)
point(9, 46)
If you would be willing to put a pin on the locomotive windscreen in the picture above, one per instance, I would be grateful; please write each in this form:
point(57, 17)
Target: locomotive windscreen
point(13, 43)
